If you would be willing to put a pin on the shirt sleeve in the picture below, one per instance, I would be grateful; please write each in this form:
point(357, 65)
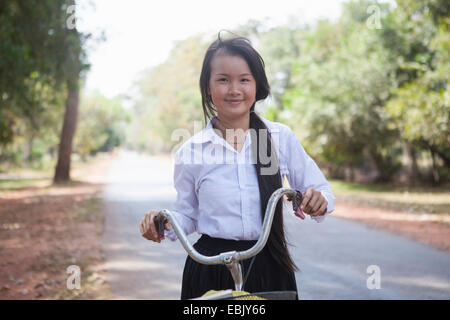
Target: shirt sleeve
point(303, 172)
point(185, 207)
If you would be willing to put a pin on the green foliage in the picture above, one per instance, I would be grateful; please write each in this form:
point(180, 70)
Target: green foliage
point(420, 107)
point(37, 53)
point(279, 48)
point(341, 82)
point(353, 93)
point(359, 92)
point(101, 124)
point(170, 98)
point(41, 58)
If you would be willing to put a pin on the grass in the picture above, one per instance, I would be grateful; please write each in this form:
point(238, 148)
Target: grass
point(342, 186)
point(30, 177)
point(69, 237)
point(434, 200)
point(21, 183)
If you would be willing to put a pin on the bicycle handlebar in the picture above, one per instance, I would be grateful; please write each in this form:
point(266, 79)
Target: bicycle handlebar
point(232, 257)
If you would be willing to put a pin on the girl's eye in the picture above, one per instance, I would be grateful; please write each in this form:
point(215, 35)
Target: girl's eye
point(222, 79)
point(245, 80)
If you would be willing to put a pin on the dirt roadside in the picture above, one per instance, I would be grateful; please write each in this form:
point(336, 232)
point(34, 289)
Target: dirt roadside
point(431, 229)
point(46, 229)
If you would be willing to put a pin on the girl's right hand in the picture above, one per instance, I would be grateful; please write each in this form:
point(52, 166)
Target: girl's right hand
point(148, 229)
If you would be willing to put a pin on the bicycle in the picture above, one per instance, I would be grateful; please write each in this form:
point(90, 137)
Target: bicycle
point(231, 259)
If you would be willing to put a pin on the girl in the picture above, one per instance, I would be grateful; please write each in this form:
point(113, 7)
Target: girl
point(226, 201)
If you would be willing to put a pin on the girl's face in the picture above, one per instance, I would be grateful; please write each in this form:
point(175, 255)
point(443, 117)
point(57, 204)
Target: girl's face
point(231, 86)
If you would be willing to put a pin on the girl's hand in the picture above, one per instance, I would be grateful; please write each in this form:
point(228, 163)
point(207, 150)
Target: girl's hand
point(314, 203)
point(148, 228)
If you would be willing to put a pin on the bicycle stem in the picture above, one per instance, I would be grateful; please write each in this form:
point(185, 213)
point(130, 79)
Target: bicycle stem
point(231, 259)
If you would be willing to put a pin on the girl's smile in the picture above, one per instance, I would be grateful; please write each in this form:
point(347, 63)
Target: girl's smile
point(234, 102)
point(232, 86)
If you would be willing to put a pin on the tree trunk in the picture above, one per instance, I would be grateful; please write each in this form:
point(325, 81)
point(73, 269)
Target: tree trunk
point(434, 168)
point(441, 155)
point(28, 150)
point(62, 171)
point(383, 166)
point(434, 149)
point(411, 163)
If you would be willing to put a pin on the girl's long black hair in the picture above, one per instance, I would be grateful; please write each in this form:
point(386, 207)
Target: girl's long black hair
point(240, 46)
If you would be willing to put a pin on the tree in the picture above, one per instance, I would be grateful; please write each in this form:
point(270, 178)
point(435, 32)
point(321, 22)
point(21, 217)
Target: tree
point(341, 82)
point(30, 80)
point(73, 65)
point(417, 36)
point(41, 59)
point(169, 97)
point(101, 125)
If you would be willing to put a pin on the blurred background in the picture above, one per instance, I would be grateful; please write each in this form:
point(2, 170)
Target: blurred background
point(363, 84)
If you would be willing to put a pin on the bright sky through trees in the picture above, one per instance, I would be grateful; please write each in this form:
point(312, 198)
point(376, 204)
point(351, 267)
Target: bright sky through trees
point(141, 33)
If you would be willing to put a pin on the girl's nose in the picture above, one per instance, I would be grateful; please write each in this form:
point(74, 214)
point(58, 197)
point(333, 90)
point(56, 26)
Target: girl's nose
point(233, 88)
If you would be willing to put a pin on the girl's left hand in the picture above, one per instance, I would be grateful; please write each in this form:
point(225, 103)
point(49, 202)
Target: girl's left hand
point(314, 203)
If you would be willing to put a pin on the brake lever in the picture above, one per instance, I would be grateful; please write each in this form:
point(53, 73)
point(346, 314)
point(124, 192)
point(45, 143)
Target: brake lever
point(159, 220)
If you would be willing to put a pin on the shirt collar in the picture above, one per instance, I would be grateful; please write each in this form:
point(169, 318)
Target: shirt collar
point(208, 135)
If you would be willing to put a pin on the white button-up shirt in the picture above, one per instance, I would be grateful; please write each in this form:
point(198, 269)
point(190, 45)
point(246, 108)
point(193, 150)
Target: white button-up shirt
point(217, 186)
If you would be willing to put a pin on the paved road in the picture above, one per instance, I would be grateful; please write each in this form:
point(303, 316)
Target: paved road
point(334, 256)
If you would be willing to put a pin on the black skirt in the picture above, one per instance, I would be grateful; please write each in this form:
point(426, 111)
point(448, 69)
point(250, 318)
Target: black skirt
point(265, 273)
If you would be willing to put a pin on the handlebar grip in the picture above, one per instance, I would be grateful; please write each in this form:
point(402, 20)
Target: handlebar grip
point(296, 201)
point(159, 220)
